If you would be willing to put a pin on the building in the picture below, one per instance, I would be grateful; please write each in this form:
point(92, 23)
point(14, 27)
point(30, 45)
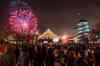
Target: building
point(82, 29)
point(48, 36)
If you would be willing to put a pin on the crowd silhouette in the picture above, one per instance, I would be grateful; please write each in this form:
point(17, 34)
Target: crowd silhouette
point(44, 55)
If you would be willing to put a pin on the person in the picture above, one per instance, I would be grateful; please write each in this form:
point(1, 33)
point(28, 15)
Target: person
point(41, 54)
point(23, 57)
point(50, 56)
point(2, 61)
point(44, 54)
point(16, 52)
point(62, 58)
point(91, 60)
point(31, 54)
point(35, 56)
point(65, 56)
point(3, 48)
point(56, 53)
point(70, 57)
point(77, 57)
point(3, 51)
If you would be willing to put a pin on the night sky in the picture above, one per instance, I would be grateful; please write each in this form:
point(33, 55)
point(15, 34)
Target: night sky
point(59, 15)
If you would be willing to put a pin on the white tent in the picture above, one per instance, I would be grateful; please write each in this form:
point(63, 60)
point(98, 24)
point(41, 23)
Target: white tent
point(48, 34)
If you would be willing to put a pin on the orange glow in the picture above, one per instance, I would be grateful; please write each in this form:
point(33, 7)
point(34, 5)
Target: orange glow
point(64, 38)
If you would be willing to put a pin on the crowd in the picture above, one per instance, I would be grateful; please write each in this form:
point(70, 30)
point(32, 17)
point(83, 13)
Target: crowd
point(44, 55)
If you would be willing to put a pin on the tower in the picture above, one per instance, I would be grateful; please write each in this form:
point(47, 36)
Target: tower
point(82, 28)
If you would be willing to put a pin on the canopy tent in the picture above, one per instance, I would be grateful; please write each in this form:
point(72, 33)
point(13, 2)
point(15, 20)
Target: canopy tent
point(48, 34)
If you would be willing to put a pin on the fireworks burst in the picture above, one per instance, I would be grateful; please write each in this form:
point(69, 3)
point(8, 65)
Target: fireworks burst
point(23, 20)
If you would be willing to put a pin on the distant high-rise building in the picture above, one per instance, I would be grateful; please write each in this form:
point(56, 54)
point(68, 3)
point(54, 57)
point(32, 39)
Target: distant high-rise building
point(82, 28)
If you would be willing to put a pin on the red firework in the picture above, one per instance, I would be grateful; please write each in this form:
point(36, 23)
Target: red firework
point(23, 20)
